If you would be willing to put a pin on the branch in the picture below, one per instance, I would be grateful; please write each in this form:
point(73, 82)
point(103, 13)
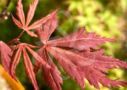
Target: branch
point(4, 12)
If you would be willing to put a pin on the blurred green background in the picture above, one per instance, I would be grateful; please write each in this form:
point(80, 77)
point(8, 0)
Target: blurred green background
point(105, 17)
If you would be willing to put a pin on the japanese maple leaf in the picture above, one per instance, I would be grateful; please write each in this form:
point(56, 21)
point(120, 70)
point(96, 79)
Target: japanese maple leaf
point(27, 62)
point(52, 78)
point(5, 52)
point(24, 25)
point(73, 53)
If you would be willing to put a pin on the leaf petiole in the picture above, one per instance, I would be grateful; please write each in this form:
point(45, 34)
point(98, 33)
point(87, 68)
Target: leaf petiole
point(20, 34)
point(15, 40)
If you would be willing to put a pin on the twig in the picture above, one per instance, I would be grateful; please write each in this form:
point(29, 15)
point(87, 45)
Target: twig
point(4, 12)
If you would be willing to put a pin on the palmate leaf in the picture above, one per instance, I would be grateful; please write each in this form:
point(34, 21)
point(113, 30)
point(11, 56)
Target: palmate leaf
point(5, 52)
point(27, 63)
point(22, 25)
point(73, 52)
point(21, 16)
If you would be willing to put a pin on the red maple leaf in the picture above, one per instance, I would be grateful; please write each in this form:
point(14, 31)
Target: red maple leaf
point(73, 53)
point(24, 25)
point(27, 63)
point(5, 52)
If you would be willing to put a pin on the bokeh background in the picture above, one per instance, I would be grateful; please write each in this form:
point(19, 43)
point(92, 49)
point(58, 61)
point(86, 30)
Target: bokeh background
point(105, 17)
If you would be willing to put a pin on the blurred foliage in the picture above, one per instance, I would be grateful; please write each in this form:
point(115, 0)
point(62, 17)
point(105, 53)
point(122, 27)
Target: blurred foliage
point(105, 17)
point(98, 16)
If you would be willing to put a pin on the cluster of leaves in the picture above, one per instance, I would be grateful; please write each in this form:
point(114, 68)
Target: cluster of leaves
point(73, 53)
